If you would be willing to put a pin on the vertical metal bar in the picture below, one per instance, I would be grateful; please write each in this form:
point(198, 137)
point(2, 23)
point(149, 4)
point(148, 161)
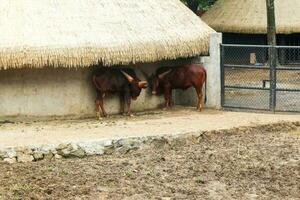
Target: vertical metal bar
point(275, 63)
point(272, 64)
point(222, 75)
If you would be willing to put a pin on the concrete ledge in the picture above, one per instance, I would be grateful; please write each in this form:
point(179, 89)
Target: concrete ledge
point(124, 145)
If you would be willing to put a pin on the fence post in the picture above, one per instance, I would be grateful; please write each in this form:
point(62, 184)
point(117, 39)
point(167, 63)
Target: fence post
point(272, 51)
point(222, 75)
point(272, 63)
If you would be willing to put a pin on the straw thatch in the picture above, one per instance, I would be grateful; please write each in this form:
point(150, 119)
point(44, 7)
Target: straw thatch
point(250, 16)
point(77, 33)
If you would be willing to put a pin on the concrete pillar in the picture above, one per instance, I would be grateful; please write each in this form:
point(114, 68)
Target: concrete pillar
point(212, 65)
point(214, 72)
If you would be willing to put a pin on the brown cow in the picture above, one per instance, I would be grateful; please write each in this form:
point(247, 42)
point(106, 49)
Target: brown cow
point(121, 81)
point(183, 77)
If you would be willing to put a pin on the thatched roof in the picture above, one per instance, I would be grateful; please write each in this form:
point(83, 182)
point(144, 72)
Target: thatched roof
point(76, 33)
point(250, 16)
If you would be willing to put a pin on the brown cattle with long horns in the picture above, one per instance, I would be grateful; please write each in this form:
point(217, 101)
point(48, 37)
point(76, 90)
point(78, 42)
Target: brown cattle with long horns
point(122, 81)
point(183, 77)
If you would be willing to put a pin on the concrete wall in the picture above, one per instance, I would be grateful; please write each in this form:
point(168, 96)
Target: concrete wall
point(56, 92)
point(212, 65)
point(62, 92)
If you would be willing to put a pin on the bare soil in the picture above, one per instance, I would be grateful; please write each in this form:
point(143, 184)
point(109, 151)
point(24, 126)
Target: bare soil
point(255, 165)
point(179, 120)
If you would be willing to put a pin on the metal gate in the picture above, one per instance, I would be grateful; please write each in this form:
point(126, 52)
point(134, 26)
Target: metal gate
point(248, 82)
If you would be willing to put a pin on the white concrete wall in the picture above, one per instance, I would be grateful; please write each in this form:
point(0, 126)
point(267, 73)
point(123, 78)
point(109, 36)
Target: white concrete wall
point(212, 65)
point(57, 92)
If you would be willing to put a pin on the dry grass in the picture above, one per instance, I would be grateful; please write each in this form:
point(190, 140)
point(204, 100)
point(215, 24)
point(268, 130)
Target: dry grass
point(80, 33)
point(249, 16)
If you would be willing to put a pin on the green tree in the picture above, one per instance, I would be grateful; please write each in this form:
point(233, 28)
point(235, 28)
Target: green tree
point(194, 5)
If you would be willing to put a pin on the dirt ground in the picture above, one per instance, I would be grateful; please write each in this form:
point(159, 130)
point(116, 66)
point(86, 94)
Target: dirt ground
point(221, 166)
point(25, 132)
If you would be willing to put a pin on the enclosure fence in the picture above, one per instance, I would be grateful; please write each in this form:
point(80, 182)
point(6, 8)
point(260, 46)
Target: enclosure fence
point(249, 82)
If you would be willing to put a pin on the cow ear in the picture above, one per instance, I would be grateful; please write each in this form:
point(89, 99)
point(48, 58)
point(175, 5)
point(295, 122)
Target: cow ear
point(142, 84)
point(128, 77)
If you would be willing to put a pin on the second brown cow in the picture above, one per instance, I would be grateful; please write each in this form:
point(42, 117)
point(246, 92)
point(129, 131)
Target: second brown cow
point(166, 79)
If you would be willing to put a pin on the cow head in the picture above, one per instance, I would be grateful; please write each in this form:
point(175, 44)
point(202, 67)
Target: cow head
point(135, 85)
point(156, 80)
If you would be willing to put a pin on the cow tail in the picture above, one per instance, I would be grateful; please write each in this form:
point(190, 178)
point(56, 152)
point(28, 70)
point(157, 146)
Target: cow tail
point(205, 97)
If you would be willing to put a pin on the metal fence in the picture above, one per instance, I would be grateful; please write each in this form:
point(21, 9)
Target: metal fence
point(248, 81)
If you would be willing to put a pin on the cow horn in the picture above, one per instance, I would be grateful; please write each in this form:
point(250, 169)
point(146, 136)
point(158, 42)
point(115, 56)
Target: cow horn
point(129, 78)
point(143, 84)
point(162, 75)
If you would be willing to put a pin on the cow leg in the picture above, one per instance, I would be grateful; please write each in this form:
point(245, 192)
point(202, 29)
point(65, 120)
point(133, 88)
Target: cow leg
point(97, 102)
point(122, 104)
point(129, 108)
point(166, 101)
point(168, 98)
point(171, 102)
point(104, 114)
point(199, 95)
point(127, 97)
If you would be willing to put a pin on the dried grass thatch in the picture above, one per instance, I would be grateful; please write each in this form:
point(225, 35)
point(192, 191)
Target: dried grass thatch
point(250, 16)
point(78, 33)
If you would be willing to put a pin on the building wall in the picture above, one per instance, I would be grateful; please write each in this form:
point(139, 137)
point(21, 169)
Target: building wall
point(69, 92)
point(51, 92)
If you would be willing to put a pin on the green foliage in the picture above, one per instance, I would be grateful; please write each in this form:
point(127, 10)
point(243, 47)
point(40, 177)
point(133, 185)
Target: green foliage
point(194, 5)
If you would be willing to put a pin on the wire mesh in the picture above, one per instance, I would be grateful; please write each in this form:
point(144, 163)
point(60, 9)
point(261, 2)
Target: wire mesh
point(246, 78)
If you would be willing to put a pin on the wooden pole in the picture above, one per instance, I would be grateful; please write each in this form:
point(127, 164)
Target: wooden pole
point(272, 51)
point(271, 22)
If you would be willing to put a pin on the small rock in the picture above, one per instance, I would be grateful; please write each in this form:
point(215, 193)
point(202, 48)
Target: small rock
point(37, 155)
point(25, 158)
point(48, 156)
point(3, 155)
point(10, 160)
point(24, 155)
point(127, 145)
point(62, 146)
point(57, 156)
point(93, 149)
point(160, 142)
point(64, 149)
point(107, 142)
point(78, 153)
point(70, 150)
point(11, 153)
point(108, 150)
